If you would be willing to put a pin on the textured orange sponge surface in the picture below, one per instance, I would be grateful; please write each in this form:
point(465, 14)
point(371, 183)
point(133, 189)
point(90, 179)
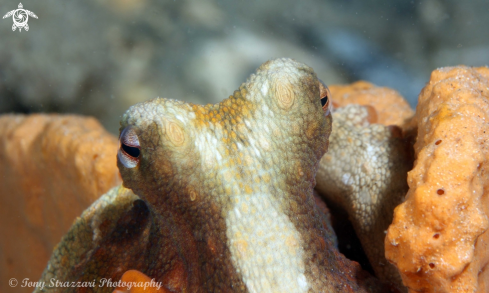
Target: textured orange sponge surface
point(439, 236)
point(391, 107)
point(52, 167)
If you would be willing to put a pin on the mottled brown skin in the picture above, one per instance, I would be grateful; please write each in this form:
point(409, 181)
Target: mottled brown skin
point(175, 179)
point(227, 196)
point(364, 172)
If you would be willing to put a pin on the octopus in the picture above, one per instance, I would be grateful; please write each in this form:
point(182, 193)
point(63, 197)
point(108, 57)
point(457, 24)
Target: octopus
point(364, 173)
point(217, 198)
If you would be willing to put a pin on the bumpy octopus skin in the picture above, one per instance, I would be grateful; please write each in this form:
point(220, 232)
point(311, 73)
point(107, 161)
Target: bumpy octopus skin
point(226, 194)
point(364, 172)
point(239, 177)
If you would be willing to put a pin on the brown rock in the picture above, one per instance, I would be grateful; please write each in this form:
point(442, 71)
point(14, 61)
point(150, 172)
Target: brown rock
point(439, 237)
point(52, 167)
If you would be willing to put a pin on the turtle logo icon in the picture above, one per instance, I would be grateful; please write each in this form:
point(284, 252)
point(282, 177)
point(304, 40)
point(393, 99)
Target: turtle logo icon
point(20, 17)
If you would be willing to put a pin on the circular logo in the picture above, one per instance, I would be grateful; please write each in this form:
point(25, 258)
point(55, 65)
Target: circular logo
point(20, 17)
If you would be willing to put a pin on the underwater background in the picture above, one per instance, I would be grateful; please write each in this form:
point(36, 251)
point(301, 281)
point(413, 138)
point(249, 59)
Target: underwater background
point(98, 57)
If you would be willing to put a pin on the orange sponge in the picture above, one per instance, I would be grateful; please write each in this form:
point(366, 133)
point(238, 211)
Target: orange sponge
point(439, 238)
point(136, 282)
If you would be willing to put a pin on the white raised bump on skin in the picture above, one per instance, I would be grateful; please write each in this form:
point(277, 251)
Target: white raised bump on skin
point(346, 178)
point(218, 156)
point(257, 152)
point(264, 88)
point(302, 281)
point(179, 117)
point(237, 213)
point(247, 123)
point(253, 145)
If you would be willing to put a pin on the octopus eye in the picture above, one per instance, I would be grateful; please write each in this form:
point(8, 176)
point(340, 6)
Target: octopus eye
point(129, 148)
point(324, 95)
point(324, 101)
